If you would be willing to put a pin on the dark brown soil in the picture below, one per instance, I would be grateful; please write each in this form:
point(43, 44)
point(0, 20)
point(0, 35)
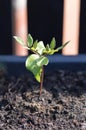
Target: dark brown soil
point(62, 105)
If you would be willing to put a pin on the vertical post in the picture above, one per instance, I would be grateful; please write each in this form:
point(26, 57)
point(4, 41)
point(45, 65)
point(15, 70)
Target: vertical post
point(71, 16)
point(19, 25)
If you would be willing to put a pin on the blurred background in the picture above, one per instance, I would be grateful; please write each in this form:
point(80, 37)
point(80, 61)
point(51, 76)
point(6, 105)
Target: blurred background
point(43, 19)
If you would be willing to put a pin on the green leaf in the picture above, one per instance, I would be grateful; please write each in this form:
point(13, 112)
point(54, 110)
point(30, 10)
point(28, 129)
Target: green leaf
point(42, 61)
point(19, 40)
point(40, 47)
point(30, 40)
point(53, 43)
point(31, 65)
point(61, 47)
point(34, 64)
point(47, 47)
point(35, 44)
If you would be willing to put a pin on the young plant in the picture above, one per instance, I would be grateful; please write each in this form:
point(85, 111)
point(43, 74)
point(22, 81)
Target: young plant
point(36, 61)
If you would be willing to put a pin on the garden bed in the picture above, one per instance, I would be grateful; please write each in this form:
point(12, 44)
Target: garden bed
point(62, 105)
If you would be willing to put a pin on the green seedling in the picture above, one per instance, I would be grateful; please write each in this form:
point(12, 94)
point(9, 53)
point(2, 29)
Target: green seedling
point(36, 61)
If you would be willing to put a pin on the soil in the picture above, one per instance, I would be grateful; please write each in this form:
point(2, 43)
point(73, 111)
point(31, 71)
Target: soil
point(62, 105)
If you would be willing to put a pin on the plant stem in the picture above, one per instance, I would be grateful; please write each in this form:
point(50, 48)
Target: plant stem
point(42, 77)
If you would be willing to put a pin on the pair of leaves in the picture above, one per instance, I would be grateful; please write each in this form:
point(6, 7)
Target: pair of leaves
point(29, 41)
point(34, 64)
point(33, 46)
point(50, 50)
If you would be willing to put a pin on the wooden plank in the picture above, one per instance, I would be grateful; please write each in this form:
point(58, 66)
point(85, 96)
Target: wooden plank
point(71, 16)
point(19, 25)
